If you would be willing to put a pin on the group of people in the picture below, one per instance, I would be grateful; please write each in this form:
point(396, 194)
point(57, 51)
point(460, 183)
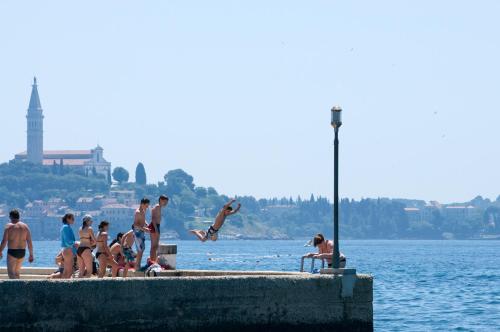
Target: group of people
point(76, 258)
point(117, 255)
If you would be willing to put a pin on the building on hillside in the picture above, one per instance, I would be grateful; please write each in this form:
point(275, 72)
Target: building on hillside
point(413, 214)
point(126, 197)
point(120, 217)
point(460, 212)
point(88, 203)
point(36, 209)
point(88, 161)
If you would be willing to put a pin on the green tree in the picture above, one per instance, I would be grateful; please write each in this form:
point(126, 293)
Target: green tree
point(140, 175)
point(177, 181)
point(120, 174)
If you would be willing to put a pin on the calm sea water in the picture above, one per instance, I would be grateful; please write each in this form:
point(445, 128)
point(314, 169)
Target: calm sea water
point(419, 285)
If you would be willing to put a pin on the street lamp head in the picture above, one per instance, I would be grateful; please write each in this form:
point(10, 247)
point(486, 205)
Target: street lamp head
point(336, 117)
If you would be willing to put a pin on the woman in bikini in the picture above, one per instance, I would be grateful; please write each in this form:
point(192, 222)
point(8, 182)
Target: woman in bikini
point(103, 253)
point(84, 252)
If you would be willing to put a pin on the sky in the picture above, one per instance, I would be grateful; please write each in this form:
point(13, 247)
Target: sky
point(238, 93)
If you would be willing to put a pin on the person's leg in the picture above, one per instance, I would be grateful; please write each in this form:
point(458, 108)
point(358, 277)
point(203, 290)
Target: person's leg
point(68, 263)
point(155, 239)
point(81, 266)
point(11, 266)
point(138, 259)
point(114, 267)
point(125, 270)
point(201, 235)
point(140, 245)
point(102, 266)
point(88, 261)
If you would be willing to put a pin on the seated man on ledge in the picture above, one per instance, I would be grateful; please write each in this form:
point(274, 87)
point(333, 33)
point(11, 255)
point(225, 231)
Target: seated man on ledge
point(325, 251)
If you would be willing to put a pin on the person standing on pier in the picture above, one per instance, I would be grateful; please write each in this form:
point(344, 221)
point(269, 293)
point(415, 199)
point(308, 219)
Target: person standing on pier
point(15, 236)
point(84, 252)
point(68, 245)
point(154, 226)
point(103, 253)
point(140, 227)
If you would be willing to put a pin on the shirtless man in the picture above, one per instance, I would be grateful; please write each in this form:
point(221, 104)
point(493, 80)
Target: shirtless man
point(154, 226)
point(211, 233)
point(126, 242)
point(16, 235)
point(140, 227)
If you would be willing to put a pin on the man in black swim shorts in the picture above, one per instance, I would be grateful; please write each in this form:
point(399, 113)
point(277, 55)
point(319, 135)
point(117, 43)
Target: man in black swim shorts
point(15, 236)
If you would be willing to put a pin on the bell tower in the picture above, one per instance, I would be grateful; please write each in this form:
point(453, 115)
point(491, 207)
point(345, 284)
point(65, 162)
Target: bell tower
point(35, 127)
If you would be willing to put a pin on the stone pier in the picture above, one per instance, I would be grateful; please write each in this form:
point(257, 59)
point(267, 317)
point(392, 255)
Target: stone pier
point(190, 301)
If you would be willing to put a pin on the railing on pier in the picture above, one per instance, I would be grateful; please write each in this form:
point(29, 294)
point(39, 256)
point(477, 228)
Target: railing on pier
point(313, 260)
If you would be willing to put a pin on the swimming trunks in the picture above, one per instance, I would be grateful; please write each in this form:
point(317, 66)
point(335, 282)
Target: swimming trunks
point(129, 255)
point(140, 239)
point(80, 250)
point(17, 253)
point(211, 232)
point(152, 228)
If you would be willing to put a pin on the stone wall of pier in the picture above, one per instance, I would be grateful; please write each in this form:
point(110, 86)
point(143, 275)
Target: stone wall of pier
point(294, 302)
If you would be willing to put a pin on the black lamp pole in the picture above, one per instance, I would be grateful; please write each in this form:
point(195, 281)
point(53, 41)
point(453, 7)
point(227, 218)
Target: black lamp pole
point(336, 123)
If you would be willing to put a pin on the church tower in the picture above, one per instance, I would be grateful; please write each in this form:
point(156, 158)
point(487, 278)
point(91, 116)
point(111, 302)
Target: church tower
point(35, 127)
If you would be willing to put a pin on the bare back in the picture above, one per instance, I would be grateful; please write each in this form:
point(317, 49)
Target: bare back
point(128, 239)
point(17, 235)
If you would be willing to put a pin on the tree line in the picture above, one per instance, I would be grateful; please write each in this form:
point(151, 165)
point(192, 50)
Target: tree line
point(190, 205)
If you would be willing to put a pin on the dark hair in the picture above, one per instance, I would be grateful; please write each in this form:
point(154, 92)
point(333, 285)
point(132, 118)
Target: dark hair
point(67, 216)
point(229, 208)
point(117, 240)
point(145, 200)
point(163, 198)
point(103, 224)
point(318, 239)
point(14, 215)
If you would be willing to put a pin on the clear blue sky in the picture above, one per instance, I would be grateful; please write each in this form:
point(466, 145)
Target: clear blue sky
point(238, 93)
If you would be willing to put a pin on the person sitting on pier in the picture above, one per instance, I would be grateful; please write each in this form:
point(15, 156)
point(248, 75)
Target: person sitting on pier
point(103, 253)
point(127, 241)
point(325, 251)
point(116, 250)
point(226, 211)
point(60, 270)
point(84, 252)
point(15, 236)
point(140, 227)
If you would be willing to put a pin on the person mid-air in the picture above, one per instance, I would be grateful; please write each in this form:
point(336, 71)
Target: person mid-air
point(212, 231)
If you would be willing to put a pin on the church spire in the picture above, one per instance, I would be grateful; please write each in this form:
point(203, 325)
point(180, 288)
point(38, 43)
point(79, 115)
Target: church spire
point(35, 99)
point(35, 127)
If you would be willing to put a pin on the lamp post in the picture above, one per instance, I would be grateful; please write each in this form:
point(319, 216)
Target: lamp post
point(336, 123)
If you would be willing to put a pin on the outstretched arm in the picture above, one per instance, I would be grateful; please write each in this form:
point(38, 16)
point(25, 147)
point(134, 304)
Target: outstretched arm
point(4, 241)
point(228, 204)
point(30, 246)
point(236, 210)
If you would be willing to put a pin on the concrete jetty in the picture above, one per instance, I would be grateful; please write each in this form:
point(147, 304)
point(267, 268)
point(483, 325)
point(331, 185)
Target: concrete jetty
point(189, 300)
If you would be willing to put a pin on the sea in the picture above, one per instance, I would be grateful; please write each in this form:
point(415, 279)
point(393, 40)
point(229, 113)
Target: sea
point(418, 285)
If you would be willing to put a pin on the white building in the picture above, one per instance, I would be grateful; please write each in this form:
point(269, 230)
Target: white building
point(89, 161)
